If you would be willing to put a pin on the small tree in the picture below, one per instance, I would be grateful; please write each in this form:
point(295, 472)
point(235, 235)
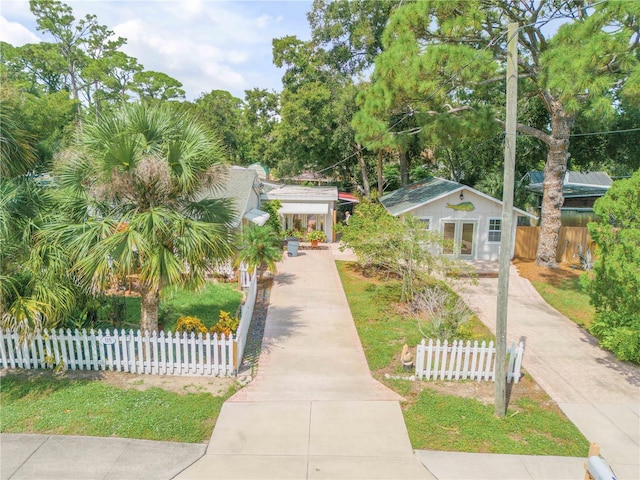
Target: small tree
point(272, 207)
point(615, 282)
point(260, 249)
point(402, 247)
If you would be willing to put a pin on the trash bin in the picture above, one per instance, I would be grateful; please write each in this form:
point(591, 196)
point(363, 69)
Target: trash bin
point(292, 246)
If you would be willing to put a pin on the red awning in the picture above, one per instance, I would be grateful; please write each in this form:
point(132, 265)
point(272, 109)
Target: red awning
point(347, 197)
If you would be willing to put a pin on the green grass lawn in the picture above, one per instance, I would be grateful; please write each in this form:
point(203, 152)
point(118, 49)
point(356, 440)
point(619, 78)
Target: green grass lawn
point(48, 404)
point(382, 329)
point(205, 304)
point(568, 297)
point(437, 421)
point(446, 422)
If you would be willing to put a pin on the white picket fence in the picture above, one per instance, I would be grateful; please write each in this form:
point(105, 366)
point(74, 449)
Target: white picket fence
point(464, 361)
point(122, 351)
point(135, 352)
point(250, 282)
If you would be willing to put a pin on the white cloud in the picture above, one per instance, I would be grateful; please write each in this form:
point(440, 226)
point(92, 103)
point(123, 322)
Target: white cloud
point(15, 33)
point(204, 44)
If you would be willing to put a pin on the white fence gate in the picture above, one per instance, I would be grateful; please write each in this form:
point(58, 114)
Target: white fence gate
point(135, 352)
point(464, 361)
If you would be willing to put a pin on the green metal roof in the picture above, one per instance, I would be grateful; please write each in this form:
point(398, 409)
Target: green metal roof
point(575, 184)
point(417, 194)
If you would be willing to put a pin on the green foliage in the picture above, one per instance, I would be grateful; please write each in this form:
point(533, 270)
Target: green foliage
point(49, 404)
point(133, 176)
point(445, 422)
point(260, 118)
point(260, 248)
point(226, 325)
point(190, 325)
point(316, 235)
point(400, 247)
point(222, 112)
point(157, 86)
point(615, 284)
point(272, 207)
point(351, 29)
point(445, 312)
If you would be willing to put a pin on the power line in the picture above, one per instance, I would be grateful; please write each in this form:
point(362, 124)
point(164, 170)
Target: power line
point(416, 130)
point(608, 132)
point(410, 113)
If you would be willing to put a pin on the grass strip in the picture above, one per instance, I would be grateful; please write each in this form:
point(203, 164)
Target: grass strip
point(445, 422)
point(568, 297)
point(51, 405)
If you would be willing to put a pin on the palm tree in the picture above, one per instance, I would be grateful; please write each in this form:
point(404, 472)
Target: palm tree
point(260, 249)
point(36, 287)
point(139, 173)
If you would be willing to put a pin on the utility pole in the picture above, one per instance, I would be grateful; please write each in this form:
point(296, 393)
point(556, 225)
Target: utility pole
point(506, 239)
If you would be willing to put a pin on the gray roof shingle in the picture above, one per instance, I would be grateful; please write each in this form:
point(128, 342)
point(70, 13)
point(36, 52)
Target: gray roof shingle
point(417, 193)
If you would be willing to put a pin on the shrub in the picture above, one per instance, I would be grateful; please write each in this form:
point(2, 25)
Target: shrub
point(446, 311)
point(316, 235)
point(227, 325)
point(615, 281)
point(190, 325)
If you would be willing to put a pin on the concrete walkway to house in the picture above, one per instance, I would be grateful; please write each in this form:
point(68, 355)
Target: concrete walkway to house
point(599, 394)
point(313, 411)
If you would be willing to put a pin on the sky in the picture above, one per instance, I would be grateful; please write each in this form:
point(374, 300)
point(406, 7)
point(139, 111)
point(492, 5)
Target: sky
point(205, 44)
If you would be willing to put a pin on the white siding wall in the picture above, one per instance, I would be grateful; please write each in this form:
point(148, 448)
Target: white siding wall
point(483, 211)
point(328, 224)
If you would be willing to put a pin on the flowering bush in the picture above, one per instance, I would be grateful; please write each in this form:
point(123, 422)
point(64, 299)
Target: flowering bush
point(226, 325)
point(190, 325)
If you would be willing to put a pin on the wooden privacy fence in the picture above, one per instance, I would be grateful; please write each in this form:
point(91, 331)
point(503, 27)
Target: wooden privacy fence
point(568, 243)
point(464, 361)
point(134, 352)
point(164, 354)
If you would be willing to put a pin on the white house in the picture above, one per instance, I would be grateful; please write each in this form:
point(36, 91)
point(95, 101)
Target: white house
point(306, 208)
point(468, 218)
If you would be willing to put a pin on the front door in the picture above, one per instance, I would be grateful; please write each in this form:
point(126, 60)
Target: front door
point(459, 236)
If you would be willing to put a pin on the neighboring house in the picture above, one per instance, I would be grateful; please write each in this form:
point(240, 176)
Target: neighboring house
point(242, 187)
point(263, 172)
point(306, 208)
point(468, 218)
point(580, 191)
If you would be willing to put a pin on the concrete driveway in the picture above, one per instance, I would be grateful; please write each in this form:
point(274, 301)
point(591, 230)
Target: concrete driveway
point(599, 394)
point(313, 411)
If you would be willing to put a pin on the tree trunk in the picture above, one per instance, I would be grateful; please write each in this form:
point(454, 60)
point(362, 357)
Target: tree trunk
point(380, 179)
point(404, 168)
point(363, 170)
point(552, 196)
point(150, 299)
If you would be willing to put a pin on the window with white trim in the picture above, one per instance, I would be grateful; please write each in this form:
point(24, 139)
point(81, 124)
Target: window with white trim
point(495, 230)
point(425, 222)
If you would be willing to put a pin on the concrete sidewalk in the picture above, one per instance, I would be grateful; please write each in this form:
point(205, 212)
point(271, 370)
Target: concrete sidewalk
point(313, 411)
point(64, 457)
point(598, 393)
